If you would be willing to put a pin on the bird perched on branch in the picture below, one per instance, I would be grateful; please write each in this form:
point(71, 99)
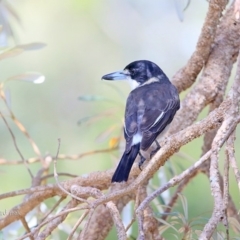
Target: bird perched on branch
point(150, 108)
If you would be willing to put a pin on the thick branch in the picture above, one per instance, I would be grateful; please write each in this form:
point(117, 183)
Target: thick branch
point(186, 76)
point(215, 75)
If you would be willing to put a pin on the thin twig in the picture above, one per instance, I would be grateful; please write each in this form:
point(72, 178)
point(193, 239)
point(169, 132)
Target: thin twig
point(60, 157)
point(20, 125)
point(16, 146)
point(226, 189)
point(25, 224)
point(52, 209)
point(51, 219)
point(130, 224)
point(121, 233)
point(179, 189)
point(24, 191)
point(233, 161)
point(56, 177)
point(51, 226)
point(77, 224)
point(86, 226)
point(59, 174)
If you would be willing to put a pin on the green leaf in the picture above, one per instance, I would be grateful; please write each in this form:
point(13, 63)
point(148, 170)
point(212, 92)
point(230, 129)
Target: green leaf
point(118, 90)
point(161, 200)
point(166, 214)
point(184, 205)
point(12, 52)
point(176, 237)
point(167, 224)
point(162, 229)
point(170, 168)
point(233, 222)
point(106, 133)
point(33, 77)
point(179, 10)
point(89, 98)
point(197, 222)
point(31, 46)
point(96, 117)
point(85, 119)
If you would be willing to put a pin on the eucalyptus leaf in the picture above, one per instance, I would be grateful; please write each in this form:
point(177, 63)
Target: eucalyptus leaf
point(181, 6)
point(90, 98)
point(33, 77)
point(174, 235)
point(187, 5)
point(12, 52)
point(103, 115)
point(184, 205)
point(167, 224)
point(160, 215)
point(105, 134)
point(170, 168)
point(97, 117)
point(117, 89)
point(161, 200)
point(85, 119)
point(181, 167)
point(179, 9)
point(31, 46)
point(163, 228)
point(234, 224)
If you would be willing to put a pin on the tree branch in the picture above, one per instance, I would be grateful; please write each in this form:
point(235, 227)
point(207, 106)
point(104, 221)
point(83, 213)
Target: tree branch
point(186, 76)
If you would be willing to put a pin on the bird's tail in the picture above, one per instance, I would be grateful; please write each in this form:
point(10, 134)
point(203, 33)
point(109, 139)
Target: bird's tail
point(125, 164)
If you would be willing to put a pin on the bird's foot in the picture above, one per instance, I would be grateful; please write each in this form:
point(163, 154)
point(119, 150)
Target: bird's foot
point(142, 159)
point(155, 151)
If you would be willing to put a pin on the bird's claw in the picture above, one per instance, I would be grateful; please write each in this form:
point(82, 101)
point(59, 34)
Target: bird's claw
point(142, 159)
point(156, 150)
point(152, 154)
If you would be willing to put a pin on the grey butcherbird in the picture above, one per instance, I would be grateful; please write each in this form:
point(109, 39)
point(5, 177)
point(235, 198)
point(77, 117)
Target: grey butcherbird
point(150, 107)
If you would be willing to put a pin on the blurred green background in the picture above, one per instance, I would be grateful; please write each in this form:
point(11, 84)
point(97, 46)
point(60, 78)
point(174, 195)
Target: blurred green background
point(85, 40)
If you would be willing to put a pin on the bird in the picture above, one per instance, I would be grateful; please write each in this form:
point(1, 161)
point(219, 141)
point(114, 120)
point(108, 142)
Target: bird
point(150, 108)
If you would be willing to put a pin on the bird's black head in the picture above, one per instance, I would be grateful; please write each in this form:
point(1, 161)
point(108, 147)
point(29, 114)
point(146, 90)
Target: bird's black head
point(139, 71)
point(143, 70)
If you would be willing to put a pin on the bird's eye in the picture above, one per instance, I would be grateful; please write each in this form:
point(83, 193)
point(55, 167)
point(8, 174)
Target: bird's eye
point(133, 71)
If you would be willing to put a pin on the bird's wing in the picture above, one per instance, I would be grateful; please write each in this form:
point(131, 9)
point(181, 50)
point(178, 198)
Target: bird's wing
point(149, 111)
point(130, 124)
point(155, 120)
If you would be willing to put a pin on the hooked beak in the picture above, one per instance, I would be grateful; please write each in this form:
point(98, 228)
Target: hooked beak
point(116, 76)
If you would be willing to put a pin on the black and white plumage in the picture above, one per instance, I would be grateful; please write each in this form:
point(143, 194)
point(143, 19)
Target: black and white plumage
point(150, 108)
